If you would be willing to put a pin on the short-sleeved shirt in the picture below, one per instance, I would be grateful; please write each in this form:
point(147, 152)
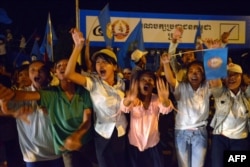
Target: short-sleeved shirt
point(106, 103)
point(192, 105)
point(35, 138)
point(65, 116)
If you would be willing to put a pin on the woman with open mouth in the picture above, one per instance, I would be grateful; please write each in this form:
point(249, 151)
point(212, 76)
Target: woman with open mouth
point(145, 107)
point(106, 91)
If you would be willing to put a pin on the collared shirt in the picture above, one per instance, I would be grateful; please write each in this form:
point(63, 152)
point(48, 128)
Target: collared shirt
point(235, 124)
point(66, 115)
point(106, 103)
point(143, 132)
point(192, 105)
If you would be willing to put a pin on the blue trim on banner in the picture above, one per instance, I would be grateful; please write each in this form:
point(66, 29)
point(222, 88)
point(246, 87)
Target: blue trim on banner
point(84, 13)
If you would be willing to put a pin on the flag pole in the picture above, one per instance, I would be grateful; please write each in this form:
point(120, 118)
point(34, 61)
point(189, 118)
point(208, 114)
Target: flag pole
point(77, 14)
point(51, 38)
point(79, 60)
point(92, 26)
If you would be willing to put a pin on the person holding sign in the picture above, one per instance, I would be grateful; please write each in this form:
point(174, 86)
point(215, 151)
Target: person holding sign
point(231, 119)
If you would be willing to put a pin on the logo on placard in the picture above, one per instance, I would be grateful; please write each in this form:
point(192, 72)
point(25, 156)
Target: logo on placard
point(120, 29)
point(214, 62)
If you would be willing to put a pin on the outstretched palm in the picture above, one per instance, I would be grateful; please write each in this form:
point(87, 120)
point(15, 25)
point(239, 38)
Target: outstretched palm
point(133, 93)
point(162, 89)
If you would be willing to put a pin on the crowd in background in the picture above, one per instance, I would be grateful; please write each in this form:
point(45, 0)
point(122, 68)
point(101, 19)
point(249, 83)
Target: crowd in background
point(104, 127)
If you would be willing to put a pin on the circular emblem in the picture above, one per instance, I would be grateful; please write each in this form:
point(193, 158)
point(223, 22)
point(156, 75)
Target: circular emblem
point(214, 62)
point(120, 29)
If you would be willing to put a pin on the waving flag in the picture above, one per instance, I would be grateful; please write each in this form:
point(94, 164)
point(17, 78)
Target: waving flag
point(198, 33)
point(215, 63)
point(4, 18)
point(133, 42)
point(105, 23)
point(197, 40)
point(48, 41)
point(36, 51)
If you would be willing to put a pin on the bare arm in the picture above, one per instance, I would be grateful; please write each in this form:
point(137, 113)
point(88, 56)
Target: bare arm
point(168, 71)
point(73, 142)
point(87, 56)
point(177, 35)
point(70, 72)
point(21, 112)
point(7, 94)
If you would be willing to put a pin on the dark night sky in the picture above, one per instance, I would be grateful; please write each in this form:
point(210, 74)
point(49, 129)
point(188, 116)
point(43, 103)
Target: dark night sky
point(28, 15)
point(31, 15)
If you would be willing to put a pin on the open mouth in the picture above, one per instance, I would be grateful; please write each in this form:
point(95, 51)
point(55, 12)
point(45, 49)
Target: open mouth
point(231, 82)
point(146, 87)
point(36, 79)
point(102, 72)
point(194, 79)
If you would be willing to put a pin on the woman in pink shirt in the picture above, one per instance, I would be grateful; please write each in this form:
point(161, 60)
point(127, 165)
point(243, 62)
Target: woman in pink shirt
point(144, 107)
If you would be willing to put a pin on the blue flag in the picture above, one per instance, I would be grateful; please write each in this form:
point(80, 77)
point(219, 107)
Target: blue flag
point(198, 32)
point(36, 51)
point(133, 42)
point(105, 23)
point(199, 55)
point(215, 63)
point(49, 41)
point(4, 18)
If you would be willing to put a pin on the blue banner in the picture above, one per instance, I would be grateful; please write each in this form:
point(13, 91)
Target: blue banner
point(215, 63)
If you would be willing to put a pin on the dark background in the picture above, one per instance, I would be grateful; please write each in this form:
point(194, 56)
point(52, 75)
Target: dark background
point(30, 16)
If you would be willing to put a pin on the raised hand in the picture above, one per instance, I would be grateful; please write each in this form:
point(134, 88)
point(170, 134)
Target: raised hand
point(177, 34)
point(163, 90)
point(165, 58)
point(78, 37)
point(131, 95)
point(212, 43)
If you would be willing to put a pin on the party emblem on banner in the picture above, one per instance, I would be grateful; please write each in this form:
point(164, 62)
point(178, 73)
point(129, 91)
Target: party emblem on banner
point(215, 63)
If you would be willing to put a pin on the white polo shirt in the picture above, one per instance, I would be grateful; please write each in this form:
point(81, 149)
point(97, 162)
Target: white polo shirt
point(192, 105)
point(106, 103)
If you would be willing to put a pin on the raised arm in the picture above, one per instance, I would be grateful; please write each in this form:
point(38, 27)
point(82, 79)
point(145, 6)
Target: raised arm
point(87, 56)
point(177, 35)
point(70, 72)
point(167, 70)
